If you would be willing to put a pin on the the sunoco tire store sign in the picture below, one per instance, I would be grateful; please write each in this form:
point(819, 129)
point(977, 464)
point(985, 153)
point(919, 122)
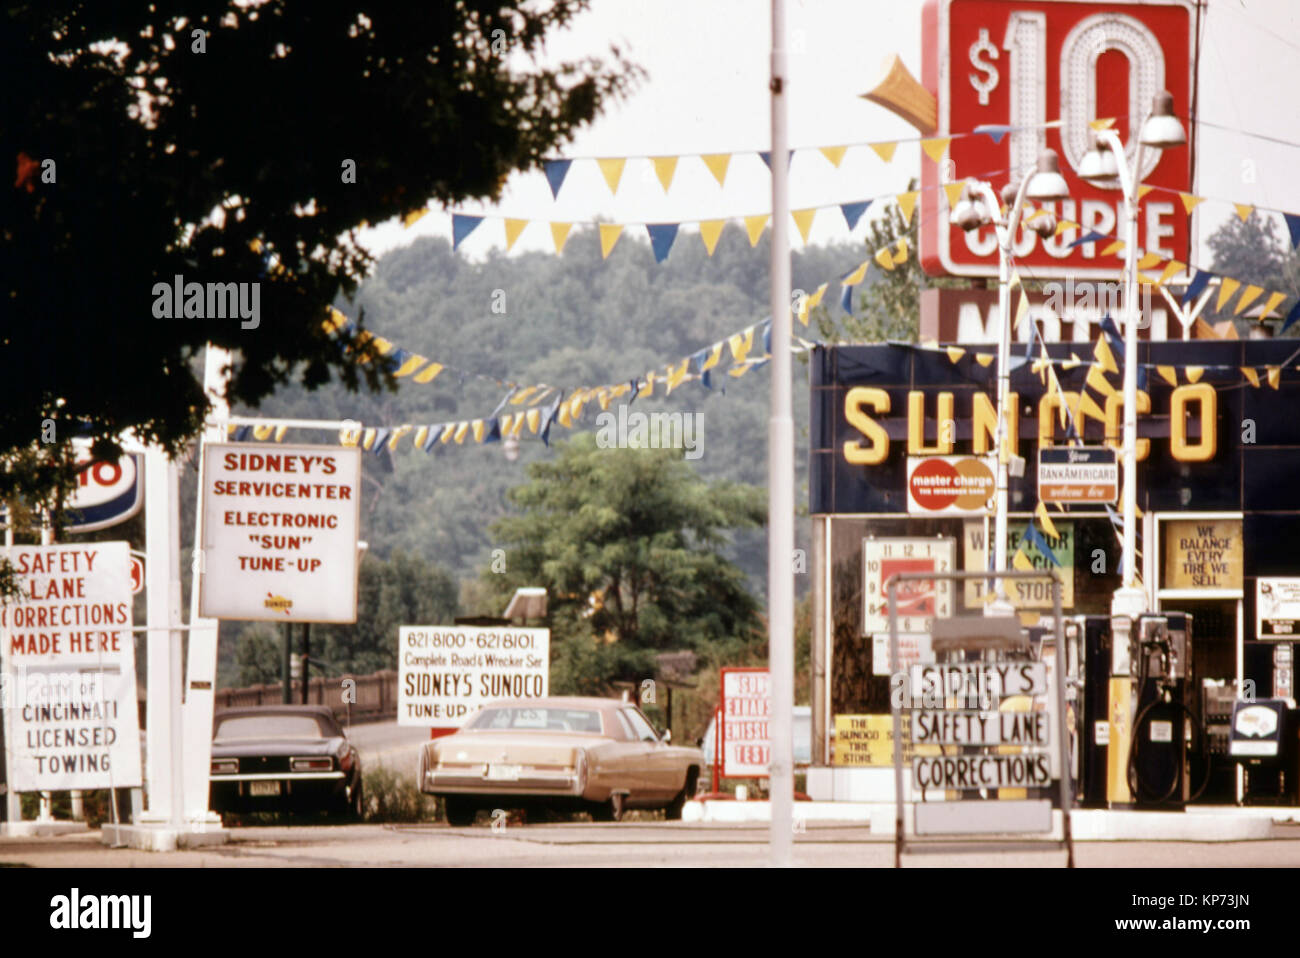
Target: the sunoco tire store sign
point(280, 532)
point(446, 673)
point(69, 692)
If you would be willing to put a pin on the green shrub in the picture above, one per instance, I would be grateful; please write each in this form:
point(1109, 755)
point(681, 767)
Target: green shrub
point(392, 796)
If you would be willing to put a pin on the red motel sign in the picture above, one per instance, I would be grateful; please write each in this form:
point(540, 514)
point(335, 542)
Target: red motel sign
point(1022, 63)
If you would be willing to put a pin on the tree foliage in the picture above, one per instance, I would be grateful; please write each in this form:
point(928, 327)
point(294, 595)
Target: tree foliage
point(1253, 251)
point(626, 542)
point(156, 140)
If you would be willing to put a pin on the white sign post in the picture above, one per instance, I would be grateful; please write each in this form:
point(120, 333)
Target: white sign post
point(280, 532)
point(69, 670)
point(446, 673)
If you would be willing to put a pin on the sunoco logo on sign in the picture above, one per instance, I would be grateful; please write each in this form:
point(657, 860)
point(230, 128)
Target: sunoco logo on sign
point(107, 492)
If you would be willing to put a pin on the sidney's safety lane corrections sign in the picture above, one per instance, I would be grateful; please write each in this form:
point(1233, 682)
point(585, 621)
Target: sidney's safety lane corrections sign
point(446, 673)
point(280, 533)
point(68, 694)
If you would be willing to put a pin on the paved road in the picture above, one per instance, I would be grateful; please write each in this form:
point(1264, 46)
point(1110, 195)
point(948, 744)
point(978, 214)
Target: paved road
point(387, 743)
point(633, 844)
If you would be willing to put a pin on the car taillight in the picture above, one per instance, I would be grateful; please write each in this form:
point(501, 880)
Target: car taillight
point(311, 764)
point(224, 766)
point(345, 762)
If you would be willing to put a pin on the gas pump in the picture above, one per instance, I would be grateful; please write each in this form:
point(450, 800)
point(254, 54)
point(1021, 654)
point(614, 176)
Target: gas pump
point(1163, 723)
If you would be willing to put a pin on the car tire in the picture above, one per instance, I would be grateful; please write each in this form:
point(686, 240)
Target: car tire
point(358, 810)
point(460, 811)
point(610, 810)
point(673, 810)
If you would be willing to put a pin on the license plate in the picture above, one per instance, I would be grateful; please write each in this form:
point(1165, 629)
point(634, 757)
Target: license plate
point(503, 773)
point(263, 788)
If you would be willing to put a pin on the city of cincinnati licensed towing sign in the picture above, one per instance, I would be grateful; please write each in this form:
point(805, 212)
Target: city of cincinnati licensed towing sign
point(67, 689)
point(279, 533)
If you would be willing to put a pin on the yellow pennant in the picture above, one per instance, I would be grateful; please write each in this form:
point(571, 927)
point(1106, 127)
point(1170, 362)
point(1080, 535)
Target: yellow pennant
point(1248, 296)
point(1274, 374)
point(665, 168)
point(1171, 270)
point(1102, 123)
point(810, 302)
point(907, 203)
point(955, 353)
point(1227, 287)
point(715, 356)
point(935, 147)
point(900, 252)
point(953, 192)
point(1150, 261)
point(609, 234)
point(1073, 361)
point(1169, 374)
point(398, 433)
point(410, 366)
point(563, 417)
point(262, 431)
point(428, 374)
point(281, 430)
point(1101, 352)
point(803, 219)
point(1022, 311)
point(519, 425)
point(507, 421)
point(335, 320)
point(1251, 375)
point(513, 229)
point(739, 370)
point(741, 344)
point(1097, 380)
point(1243, 210)
point(1190, 202)
point(834, 153)
point(884, 257)
point(884, 150)
point(754, 226)
point(649, 383)
point(383, 346)
point(612, 170)
point(410, 219)
point(533, 416)
point(602, 397)
point(710, 231)
point(1090, 408)
point(560, 234)
point(1021, 561)
point(1046, 521)
point(462, 429)
point(1064, 226)
point(368, 439)
point(421, 434)
point(717, 164)
point(521, 397)
point(983, 358)
point(1054, 390)
point(675, 376)
point(1274, 299)
point(1143, 191)
point(1114, 248)
point(1194, 373)
point(448, 431)
point(859, 274)
point(478, 428)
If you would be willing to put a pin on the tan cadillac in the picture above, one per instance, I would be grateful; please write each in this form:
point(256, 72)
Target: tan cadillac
point(580, 754)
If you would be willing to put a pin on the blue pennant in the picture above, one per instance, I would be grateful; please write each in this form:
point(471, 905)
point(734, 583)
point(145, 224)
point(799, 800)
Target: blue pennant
point(1293, 224)
point(846, 300)
point(1090, 237)
point(697, 359)
point(494, 432)
point(853, 212)
point(434, 433)
point(994, 131)
point(636, 388)
point(1291, 317)
point(243, 433)
point(1142, 376)
point(706, 379)
point(556, 171)
point(462, 226)
point(380, 438)
point(1197, 285)
point(398, 359)
point(662, 236)
point(767, 338)
point(1114, 338)
point(767, 158)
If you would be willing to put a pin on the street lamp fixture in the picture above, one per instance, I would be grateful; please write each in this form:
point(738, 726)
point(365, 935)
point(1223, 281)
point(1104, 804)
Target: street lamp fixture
point(977, 207)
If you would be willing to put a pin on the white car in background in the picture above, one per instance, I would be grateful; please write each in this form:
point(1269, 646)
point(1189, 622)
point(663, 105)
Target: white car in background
point(802, 738)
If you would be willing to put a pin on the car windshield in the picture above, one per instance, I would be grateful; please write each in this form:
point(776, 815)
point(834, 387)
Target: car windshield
point(269, 726)
point(540, 719)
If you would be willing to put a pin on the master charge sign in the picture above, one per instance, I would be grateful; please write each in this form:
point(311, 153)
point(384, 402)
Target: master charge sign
point(280, 532)
point(446, 673)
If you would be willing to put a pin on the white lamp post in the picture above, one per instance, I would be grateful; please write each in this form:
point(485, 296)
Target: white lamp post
point(1106, 165)
point(978, 207)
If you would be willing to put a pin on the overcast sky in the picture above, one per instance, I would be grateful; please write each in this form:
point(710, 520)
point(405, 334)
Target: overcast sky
point(706, 92)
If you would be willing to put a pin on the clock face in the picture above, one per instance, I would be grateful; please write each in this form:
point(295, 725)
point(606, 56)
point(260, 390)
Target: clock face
point(918, 601)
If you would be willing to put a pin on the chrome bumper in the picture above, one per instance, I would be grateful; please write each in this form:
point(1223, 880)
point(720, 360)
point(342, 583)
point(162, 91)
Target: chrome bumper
point(474, 780)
